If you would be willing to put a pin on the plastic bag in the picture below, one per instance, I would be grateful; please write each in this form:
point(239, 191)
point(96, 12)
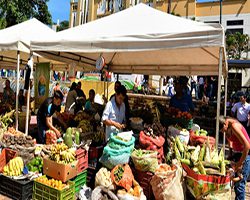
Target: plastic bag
point(146, 162)
point(127, 177)
point(85, 193)
point(51, 137)
point(103, 178)
point(167, 185)
point(101, 192)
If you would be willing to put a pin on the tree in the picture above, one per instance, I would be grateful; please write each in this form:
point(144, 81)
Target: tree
point(16, 11)
point(236, 45)
point(63, 25)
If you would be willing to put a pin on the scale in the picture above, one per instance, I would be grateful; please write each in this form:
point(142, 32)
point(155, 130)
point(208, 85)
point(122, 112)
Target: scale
point(100, 63)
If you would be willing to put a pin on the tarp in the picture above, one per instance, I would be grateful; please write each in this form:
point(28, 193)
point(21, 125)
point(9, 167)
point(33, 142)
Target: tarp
point(140, 40)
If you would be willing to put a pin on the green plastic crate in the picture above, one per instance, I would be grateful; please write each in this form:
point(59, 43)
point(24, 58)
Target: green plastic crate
point(44, 192)
point(80, 180)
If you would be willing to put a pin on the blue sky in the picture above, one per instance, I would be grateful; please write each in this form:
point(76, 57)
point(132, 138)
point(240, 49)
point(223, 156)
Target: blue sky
point(59, 9)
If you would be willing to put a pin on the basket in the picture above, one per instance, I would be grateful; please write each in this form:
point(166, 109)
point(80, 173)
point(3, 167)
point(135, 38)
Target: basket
point(80, 180)
point(82, 157)
point(44, 192)
point(16, 189)
point(5, 157)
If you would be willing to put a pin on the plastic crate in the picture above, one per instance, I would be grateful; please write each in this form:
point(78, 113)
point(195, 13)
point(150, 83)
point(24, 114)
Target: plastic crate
point(44, 192)
point(16, 189)
point(144, 178)
point(80, 180)
point(82, 157)
point(5, 157)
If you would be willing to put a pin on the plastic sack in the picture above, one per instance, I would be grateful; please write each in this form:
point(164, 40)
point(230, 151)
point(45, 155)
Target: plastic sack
point(51, 137)
point(85, 193)
point(121, 142)
point(146, 162)
point(101, 192)
point(199, 140)
point(167, 185)
point(103, 178)
point(127, 177)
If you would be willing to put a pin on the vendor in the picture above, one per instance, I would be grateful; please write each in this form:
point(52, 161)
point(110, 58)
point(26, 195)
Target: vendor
point(240, 143)
point(8, 94)
point(181, 99)
point(44, 116)
point(117, 84)
point(70, 105)
point(114, 113)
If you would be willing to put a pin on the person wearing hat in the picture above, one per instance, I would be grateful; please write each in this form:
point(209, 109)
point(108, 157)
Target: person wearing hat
point(181, 99)
point(241, 111)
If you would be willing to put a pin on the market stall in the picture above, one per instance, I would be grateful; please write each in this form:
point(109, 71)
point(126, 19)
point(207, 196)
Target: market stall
point(15, 48)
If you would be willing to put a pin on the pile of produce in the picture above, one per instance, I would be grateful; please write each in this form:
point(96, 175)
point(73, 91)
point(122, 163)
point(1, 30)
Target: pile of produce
point(51, 137)
point(51, 182)
point(6, 119)
point(176, 113)
point(17, 138)
point(14, 167)
point(82, 116)
point(103, 178)
point(145, 160)
point(60, 153)
point(203, 160)
point(149, 141)
point(85, 126)
point(201, 132)
point(200, 137)
point(98, 137)
point(71, 136)
point(35, 165)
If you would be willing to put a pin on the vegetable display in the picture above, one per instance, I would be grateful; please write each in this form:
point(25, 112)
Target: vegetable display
point(51, 182)
point(36, 165)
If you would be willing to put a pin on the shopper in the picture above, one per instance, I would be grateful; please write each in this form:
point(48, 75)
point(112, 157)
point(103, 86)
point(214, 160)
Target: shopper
point(194, 86)
point(89, 106)
point(114, 114)
point(181, 100)
point(56, 88)
point(201, 86)
point(81, 100)
point(240, 143)
point(44, 116)
point(241, 111)
point(70, 105)
point(21, 99)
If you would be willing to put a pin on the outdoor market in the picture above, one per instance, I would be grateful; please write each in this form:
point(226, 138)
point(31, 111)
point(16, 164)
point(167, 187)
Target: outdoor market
point(65, 138)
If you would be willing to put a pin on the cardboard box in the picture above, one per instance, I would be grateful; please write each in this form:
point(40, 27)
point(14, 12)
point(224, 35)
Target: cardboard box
point(59, 171)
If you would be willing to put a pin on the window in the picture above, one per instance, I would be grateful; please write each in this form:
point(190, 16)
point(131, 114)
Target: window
point(235, 23)
point(235, 30)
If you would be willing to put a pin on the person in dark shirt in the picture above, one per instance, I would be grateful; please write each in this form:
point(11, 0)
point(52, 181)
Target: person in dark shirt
point(81, 98)
point(181, 100)
point(44, 116)
point(21, 98)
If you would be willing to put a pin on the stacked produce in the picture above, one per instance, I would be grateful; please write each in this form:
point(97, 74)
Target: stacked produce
point(35, 165)
point(203, 160)
point(85, 126)
point(71, 136)
point(51, 137)
point(151, 140)
point(17, 138)
point(14, 167)
point(60, 153)
point(6, 119)
point(200, 137)
point(98, 137)
point(52, 183)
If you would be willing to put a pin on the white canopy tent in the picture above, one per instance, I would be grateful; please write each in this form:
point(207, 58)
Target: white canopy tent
point(142, 40)
point(15, 44)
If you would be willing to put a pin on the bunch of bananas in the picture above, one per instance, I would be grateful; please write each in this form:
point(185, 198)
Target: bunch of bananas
point(14, 167)
point(62, 154)
point(99, 136)
point(85, 126)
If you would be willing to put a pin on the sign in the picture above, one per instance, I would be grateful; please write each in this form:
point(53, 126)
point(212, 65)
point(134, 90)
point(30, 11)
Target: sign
point(42, 79)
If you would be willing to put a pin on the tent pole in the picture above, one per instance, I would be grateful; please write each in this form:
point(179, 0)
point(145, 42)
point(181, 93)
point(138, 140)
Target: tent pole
point(161, 86)
point(218, 98)
point(28, 97)
point(225, 105)
point(17, 86)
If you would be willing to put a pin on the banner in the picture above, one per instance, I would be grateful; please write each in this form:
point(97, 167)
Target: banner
point(42, 80)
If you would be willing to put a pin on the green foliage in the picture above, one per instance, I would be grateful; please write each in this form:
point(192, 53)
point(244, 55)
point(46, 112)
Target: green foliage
point(16, 11)
point(236, 45)
point(63, 25)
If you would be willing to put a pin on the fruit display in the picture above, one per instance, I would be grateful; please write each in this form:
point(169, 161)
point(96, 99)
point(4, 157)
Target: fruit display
point(6, 119)
point(72, 136)
point(14, 167)
point(51, 137)
point(98, 137)
point(51, 182)
point(60, 153)
point(85, 126)
point(82, 116)
point(17, 138)
point(201, 132)
point(176, 113)
point(203, 160)
point(35, 165)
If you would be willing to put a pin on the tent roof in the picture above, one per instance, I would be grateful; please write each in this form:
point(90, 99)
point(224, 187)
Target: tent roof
point(140, 40)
